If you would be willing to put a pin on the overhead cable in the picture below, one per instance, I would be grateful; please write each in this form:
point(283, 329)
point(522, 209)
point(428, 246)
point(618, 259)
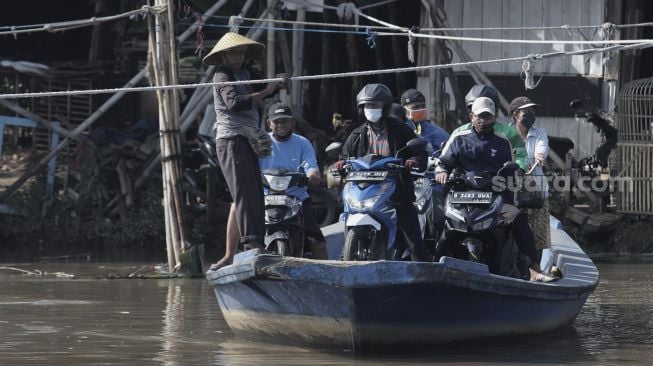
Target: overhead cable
point(332, 76)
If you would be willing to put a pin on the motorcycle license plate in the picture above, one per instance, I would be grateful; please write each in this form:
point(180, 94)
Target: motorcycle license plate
point(471, 197)
point(276, 199)
point(366, 176)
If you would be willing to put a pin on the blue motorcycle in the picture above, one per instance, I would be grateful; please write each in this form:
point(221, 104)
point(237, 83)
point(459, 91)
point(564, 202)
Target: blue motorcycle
point(369, 216)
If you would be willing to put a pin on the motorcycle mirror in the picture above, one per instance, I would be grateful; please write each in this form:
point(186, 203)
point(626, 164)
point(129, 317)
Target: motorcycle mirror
point(413, 145)
point(333, 150)
point(416, 144)
point(510, 165)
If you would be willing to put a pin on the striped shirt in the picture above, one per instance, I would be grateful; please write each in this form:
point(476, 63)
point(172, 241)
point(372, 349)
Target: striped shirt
point(378, 142)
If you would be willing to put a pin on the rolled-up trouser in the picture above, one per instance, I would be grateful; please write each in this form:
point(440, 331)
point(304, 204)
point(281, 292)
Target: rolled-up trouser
point(313, 233)
point(410, 232)
point(241, 171)
point(523, 235)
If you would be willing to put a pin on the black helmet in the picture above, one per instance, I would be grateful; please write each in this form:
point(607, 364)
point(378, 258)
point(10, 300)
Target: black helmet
point(481, 90)
point(398, 112)
point(374, 93)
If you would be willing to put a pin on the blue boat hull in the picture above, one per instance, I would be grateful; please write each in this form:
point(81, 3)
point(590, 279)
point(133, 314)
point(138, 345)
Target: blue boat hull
point(360, 305)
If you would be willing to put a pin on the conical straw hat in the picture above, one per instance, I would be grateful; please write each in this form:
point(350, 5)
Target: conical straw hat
point(228, 41)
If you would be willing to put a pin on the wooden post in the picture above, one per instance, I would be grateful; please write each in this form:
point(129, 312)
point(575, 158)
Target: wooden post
point(271, 48)
point(298, 59)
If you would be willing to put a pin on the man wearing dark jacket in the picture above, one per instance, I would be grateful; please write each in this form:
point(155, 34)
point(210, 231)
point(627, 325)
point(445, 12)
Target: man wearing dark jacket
point(380, 134)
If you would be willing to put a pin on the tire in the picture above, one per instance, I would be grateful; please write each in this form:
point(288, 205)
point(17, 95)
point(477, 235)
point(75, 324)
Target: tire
point(350, 249)
point(281, 247)
point(358, 238)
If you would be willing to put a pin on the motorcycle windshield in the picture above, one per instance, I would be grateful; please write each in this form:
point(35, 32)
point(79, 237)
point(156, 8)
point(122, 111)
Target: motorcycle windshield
point(479, 180)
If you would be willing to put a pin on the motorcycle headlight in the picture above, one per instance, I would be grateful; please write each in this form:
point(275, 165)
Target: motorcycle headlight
point(277, 183)
point(367, 203)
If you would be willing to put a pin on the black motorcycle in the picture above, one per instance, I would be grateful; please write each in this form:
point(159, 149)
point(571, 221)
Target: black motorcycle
point(284, 217)
point(473, 227)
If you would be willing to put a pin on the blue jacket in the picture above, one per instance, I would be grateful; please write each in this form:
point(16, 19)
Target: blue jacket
point(433, 134)
point(470, 151)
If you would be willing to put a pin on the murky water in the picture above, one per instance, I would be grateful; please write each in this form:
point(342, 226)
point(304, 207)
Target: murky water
point(177, 322)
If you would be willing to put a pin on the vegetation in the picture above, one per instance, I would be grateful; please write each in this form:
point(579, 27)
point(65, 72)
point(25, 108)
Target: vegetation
point(61, 226)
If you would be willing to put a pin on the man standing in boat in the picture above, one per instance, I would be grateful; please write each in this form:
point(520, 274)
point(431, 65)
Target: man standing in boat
point(383, 135)
point(239, 138)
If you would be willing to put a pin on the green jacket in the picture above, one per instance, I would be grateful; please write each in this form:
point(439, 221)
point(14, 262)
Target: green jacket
point(509, 133)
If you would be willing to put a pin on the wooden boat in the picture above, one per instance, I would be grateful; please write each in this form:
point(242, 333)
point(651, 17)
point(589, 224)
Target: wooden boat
point(362, 305)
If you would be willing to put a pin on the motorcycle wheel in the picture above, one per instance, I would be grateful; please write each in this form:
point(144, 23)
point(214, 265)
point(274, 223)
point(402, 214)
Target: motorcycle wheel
point(281, 247)
point(350, 250)
point(357, 240)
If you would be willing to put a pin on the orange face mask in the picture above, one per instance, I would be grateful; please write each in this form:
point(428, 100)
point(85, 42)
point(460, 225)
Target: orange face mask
point(416, 115)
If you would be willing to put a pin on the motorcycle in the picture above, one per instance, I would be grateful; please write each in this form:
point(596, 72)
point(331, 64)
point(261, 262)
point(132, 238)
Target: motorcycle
point(473, 227)
point(284, 217)
point(369, 216)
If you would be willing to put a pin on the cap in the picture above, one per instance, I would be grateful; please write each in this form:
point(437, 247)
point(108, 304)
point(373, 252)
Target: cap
point(412, 96)
point(521, 102)
point(482, 105)
point(279, 110)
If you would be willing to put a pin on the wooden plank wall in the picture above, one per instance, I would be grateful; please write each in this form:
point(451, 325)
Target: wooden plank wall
point(528, 13)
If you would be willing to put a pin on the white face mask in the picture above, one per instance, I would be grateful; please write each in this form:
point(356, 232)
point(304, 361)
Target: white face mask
point(373, 115)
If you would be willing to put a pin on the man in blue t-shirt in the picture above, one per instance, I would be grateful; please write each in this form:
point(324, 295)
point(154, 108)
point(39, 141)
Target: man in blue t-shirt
point(414, 104)
point(290, 151)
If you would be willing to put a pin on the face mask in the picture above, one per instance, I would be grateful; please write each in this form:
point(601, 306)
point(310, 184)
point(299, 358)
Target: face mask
point(373, 115)
point(528, 119)
point(416, 115)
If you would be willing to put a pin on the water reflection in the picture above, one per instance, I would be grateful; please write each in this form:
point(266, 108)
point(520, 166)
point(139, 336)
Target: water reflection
point(178, 322)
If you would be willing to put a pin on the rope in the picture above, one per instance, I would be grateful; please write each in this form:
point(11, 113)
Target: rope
point(234, 23)
point(328, 76)
point(405, 32)
point(347, 12)
point(527, 73)
point(565, 27)
point(308, 30)
point(522, 41)
point(73, 24)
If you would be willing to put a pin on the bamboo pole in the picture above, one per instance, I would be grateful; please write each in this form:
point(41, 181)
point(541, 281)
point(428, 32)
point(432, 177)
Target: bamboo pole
point(270, 50)
point(298, 59)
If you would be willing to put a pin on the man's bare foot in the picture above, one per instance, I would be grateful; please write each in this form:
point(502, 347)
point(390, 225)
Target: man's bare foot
point(221, 263)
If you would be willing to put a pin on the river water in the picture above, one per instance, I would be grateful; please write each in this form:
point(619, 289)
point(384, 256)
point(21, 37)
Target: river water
point(94, 321)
